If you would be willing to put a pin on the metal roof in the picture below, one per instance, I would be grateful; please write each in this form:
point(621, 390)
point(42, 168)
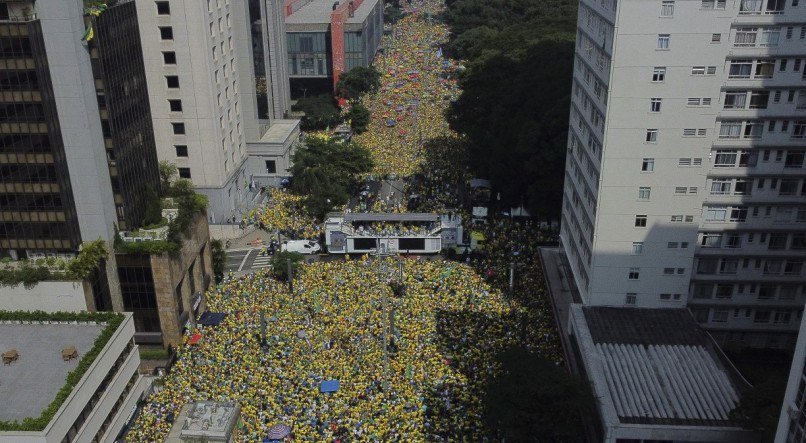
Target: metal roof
point(656, 366)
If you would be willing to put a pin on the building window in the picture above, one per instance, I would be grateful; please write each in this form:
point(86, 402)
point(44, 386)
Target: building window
point(169, 57)
point(271, 167)
point(637, 248)
point(663, 41)
point(640, 221)
point(716, 38)
point(659, 74)
point(654, 105)
point(163, 8)
point(175, 105)
point(651, 135)
point(630, 299)
point(667, 8)
point(184, 173)
point(178, 128)
point(166, 33)
point(720, 316)
point(181, 150)
point(643, 193)
point(648, 165)
point(172, 81)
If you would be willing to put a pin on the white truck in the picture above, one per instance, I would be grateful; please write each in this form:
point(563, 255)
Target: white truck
point(301, 246)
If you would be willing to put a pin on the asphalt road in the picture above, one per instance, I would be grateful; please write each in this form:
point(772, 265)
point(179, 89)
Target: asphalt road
point(246, 260)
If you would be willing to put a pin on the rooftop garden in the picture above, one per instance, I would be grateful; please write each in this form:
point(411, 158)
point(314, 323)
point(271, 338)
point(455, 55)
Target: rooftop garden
point(31, 272)
point(179, 195)
point(110, 319)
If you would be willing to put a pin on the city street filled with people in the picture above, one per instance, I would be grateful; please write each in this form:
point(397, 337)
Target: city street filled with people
point(443, 330)
point(417, 84)
point(412, 342)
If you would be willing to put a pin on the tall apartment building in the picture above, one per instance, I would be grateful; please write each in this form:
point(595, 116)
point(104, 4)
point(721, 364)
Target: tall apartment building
point(685, 180)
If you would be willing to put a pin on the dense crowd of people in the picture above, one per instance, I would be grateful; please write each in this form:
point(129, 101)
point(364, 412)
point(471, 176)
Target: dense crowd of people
point(447, 327)
point(509, 241)
point(417, 83)
point(285, 213)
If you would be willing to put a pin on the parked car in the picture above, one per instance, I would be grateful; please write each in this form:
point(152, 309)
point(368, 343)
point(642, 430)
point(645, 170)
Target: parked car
point(301, 246)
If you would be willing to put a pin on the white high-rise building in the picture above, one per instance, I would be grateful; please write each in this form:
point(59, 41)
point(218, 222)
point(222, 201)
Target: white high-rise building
point(685, 180)
point(201, 81)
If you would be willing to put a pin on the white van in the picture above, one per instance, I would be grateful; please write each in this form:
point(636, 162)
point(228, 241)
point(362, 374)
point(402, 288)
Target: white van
point(301, 246)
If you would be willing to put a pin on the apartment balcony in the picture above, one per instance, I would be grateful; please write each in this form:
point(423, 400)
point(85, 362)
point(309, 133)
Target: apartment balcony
point(766, 139)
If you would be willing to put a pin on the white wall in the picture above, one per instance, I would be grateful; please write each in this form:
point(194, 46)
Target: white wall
point(49, 296)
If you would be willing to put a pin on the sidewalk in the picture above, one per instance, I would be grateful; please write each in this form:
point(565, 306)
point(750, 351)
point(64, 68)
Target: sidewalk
point(244, 242)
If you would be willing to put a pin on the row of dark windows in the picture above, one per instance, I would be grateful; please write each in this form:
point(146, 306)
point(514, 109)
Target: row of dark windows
point(99, 392)
point(15, 47)
point(22, 112)
point(139, 297)
point(30, 202)
point(35, 230)
point(18, 81)
point(28, 173)
point(25, 143)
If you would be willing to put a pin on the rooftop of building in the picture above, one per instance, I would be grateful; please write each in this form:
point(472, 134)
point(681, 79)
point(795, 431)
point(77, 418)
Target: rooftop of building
point(655, 366)
point(29, 384)
point(205, 421)
point(319, 11)
point(280, 130)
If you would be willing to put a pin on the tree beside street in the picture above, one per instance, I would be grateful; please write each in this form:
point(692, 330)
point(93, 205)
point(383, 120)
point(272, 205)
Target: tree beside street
point(359, 117)
point(535, 400)
point(320, 112)
point(358, 81)
point(326, 171)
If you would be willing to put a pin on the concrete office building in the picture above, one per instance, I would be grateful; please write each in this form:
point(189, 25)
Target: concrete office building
point(98, 404)
point(269, 52)
point(327, 38)
point(56, 154)
point(199, 68)
point(685, 177)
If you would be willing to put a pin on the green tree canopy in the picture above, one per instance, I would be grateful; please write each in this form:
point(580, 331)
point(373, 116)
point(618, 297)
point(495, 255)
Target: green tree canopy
point(359, 117)
point(327, 172)
point(357, 81)
point(535, 400)
point(219, 257)
point(167, 173)
point(320, 112)
point(514, 105)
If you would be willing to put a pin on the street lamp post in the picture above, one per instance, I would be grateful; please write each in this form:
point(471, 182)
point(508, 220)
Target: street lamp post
point(387, 315)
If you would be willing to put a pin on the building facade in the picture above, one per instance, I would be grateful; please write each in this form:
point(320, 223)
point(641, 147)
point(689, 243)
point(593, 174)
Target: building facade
point(195, 96)
point(685, 177)
point(326, 39)
point(54, 183)
point(120, 82)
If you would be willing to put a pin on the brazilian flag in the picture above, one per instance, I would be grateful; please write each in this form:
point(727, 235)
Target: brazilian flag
point(89, 34)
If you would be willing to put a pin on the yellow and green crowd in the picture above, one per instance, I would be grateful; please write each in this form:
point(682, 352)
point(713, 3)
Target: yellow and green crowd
point(446, 328)
point(416, 87)
point(285, 213)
